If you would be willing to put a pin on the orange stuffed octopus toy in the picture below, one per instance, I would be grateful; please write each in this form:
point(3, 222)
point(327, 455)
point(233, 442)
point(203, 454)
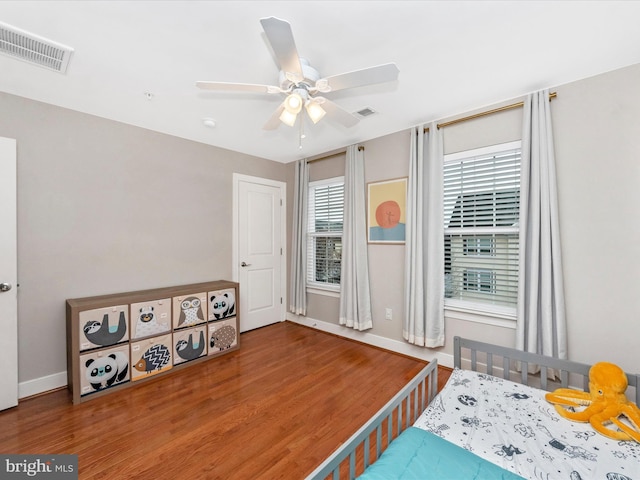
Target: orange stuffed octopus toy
point(605, 403)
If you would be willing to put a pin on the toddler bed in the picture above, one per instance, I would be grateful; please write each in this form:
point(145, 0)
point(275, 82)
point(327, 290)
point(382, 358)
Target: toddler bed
point(490, 421)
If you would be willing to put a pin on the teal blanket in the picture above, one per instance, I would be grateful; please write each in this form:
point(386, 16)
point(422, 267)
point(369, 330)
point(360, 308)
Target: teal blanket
point(421, 455)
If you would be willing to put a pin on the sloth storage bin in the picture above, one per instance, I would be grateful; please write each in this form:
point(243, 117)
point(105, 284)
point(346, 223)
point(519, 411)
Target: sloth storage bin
point(103, 327)
point(189, 344)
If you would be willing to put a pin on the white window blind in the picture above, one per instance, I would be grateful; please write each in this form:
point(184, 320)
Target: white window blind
point(481, 215)
point(324, 241)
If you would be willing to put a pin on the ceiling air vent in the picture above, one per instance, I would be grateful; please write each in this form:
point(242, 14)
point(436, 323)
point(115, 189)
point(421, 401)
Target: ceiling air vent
point(365, 112)
point(34, 49)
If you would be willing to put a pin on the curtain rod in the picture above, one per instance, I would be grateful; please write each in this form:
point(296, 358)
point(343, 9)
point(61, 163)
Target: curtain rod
point(488, 112)
point(333, 154)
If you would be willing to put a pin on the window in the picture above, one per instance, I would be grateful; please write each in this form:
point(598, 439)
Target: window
point(324, 233)
point(479, 246)
point(481, 215)
point(479, 280)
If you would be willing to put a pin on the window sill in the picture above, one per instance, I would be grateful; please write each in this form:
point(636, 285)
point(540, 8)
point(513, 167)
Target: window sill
point(326, 291)
point(499, 317)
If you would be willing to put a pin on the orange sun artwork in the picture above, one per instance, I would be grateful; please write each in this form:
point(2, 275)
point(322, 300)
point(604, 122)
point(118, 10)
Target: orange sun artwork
point(386, 209)
point(388, 214)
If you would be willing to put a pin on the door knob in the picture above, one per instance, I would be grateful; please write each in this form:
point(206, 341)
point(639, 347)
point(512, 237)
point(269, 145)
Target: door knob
point(5, 287)
point(245, 264)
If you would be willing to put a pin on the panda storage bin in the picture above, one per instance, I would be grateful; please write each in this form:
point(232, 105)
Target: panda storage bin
point(223, 336)
point(150, 357)
point(222, 304)
point(189, 310)
point(150, 318)
point(103, 327)
point(101, 369)
point(189, 344)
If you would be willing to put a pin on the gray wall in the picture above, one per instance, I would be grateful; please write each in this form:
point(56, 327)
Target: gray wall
point(105, 207)
point(596, 124)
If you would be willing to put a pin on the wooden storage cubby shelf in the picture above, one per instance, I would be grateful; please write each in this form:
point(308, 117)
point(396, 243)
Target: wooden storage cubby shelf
point(118, 340)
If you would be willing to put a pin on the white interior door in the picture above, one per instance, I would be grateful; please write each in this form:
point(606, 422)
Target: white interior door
point(8, 276)
point(259, 250)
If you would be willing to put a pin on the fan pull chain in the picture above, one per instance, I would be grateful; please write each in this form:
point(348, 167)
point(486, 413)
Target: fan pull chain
point(302, 135)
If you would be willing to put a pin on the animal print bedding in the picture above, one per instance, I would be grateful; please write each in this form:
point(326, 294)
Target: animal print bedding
point(513, 426)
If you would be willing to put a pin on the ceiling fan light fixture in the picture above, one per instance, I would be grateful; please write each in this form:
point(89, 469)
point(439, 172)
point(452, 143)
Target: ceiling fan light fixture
point(293, 103)
point(315, 111)
point(288, 118)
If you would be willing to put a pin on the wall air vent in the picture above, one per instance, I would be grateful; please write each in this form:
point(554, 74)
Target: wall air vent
point(34, 49)
point(365, 112)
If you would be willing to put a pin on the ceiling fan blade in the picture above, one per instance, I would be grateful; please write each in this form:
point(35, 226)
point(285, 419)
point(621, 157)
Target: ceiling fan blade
point(274, 121)
point(367, 76)
point(337, 113)
point(281, 39)
point(237, 87)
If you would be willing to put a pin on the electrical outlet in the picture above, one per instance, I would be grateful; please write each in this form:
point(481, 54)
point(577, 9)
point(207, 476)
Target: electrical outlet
point(388, 314)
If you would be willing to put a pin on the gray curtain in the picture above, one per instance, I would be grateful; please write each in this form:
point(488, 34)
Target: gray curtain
point(298, 289)
point(541, 325)
point(424, 252)
point(355, 295)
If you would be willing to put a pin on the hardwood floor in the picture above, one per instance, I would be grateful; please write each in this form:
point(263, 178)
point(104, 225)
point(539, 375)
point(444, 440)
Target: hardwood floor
point(273, 409)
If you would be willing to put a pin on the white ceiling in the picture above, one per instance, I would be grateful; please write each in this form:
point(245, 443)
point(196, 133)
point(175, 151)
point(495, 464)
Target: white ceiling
point(453, 57)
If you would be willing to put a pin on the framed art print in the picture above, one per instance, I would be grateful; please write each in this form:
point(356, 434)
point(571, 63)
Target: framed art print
point(386, 210)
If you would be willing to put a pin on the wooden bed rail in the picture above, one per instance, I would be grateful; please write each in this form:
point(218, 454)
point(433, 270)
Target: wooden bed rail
point(403, 409)
point(569, 373)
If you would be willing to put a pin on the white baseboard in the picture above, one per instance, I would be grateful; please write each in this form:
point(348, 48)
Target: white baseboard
point(42, 384)
point(404, 348)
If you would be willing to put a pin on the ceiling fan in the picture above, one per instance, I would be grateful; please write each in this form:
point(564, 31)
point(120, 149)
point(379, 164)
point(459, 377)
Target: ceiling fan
point(301, 83)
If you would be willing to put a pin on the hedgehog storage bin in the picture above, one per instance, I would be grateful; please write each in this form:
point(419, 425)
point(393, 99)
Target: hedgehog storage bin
point(104, 368)
point(121, 340)
point(150, 357)
point(223, 336)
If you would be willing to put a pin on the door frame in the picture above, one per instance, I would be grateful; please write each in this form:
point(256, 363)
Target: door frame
point(235, 266)
point(9, 274)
